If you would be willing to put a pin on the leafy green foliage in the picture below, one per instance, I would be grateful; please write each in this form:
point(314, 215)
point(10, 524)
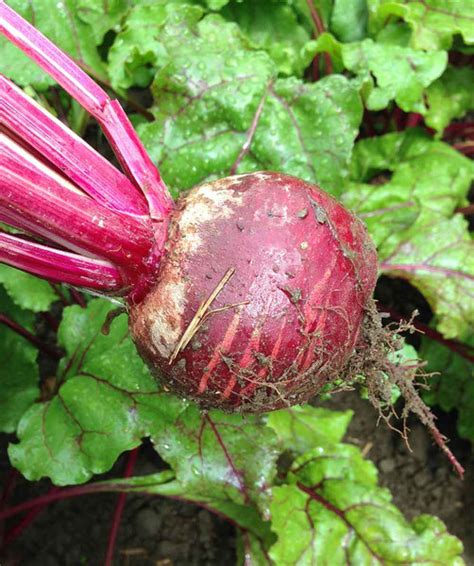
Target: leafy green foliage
point(410, 218)
point(451, 96)
point(221, 108)
point(387, 71)
point(452, 383)
point(300, 428)
point(275, 29)
point(438, 260)
point(27, 291)
point(102, 406)
point(332, 511)
point(413, 154)
point(433, 22)
point(18, 369)
point(387, 68)
point(140, 46)
point(349, 20)
point(101, 18)
point(400, 73)
point(210, 454)
point(233, 91)
point(73, 26)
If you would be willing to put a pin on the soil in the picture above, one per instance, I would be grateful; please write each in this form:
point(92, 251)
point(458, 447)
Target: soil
point(160, 532)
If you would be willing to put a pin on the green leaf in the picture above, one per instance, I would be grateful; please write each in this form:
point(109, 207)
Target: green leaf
point(104, 409)
point(81, 336)
point(218, 456)
point(302, 428)
point(216, 4)
point(18, 369)
point(433, 22)
point(387, 209)
point(333, 512)
point(386, 70)
point(140, 47)
point(430, 179)
point(395, 33)
point(439, 261)
point(416, 153)
point(64, 23)
point(275, 29)
point(221, 109)
point(451, 386)
point(101, 16)
point(27, 291)
point(410, 218)
point(251, 550)
point(451, 96)
point(349, 20)
point(400, 73)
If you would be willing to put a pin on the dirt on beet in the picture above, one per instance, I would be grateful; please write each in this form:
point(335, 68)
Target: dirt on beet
point(160, 532)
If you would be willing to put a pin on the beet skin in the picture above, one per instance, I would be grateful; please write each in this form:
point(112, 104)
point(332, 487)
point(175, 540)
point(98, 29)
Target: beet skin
point(292, 272)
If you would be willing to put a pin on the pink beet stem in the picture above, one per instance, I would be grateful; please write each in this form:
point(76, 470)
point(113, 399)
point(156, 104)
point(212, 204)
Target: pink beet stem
point(118, 512)
point(413, 120)
point(461, 129)
point(59, 265)
point(29, 336)
point(39, 200)
point(107, 112)
point(67, 151)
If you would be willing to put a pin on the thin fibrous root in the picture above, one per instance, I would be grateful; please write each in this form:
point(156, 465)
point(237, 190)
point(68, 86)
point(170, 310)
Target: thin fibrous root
point(372, 360)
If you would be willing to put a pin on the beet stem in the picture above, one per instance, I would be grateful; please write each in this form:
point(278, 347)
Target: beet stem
point(467, 147)
point(67, 151)
point(9, 484)
point(462, 129)
point(51, 496)
point(36, 199)
point(78, 298)
point(117, 517)
point(110, 115)
point(15, 532)
point(318, 24)
point(413, 120)
point(59, 265)
point(21, 331)
point(466, 210)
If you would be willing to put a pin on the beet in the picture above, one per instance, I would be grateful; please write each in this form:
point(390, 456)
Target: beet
point(287, 273)
point(251, 294)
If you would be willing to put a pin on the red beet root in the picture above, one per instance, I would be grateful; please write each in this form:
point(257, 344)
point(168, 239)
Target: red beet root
point(260, 295)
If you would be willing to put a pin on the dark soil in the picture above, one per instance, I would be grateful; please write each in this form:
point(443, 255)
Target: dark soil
point(160, 532)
